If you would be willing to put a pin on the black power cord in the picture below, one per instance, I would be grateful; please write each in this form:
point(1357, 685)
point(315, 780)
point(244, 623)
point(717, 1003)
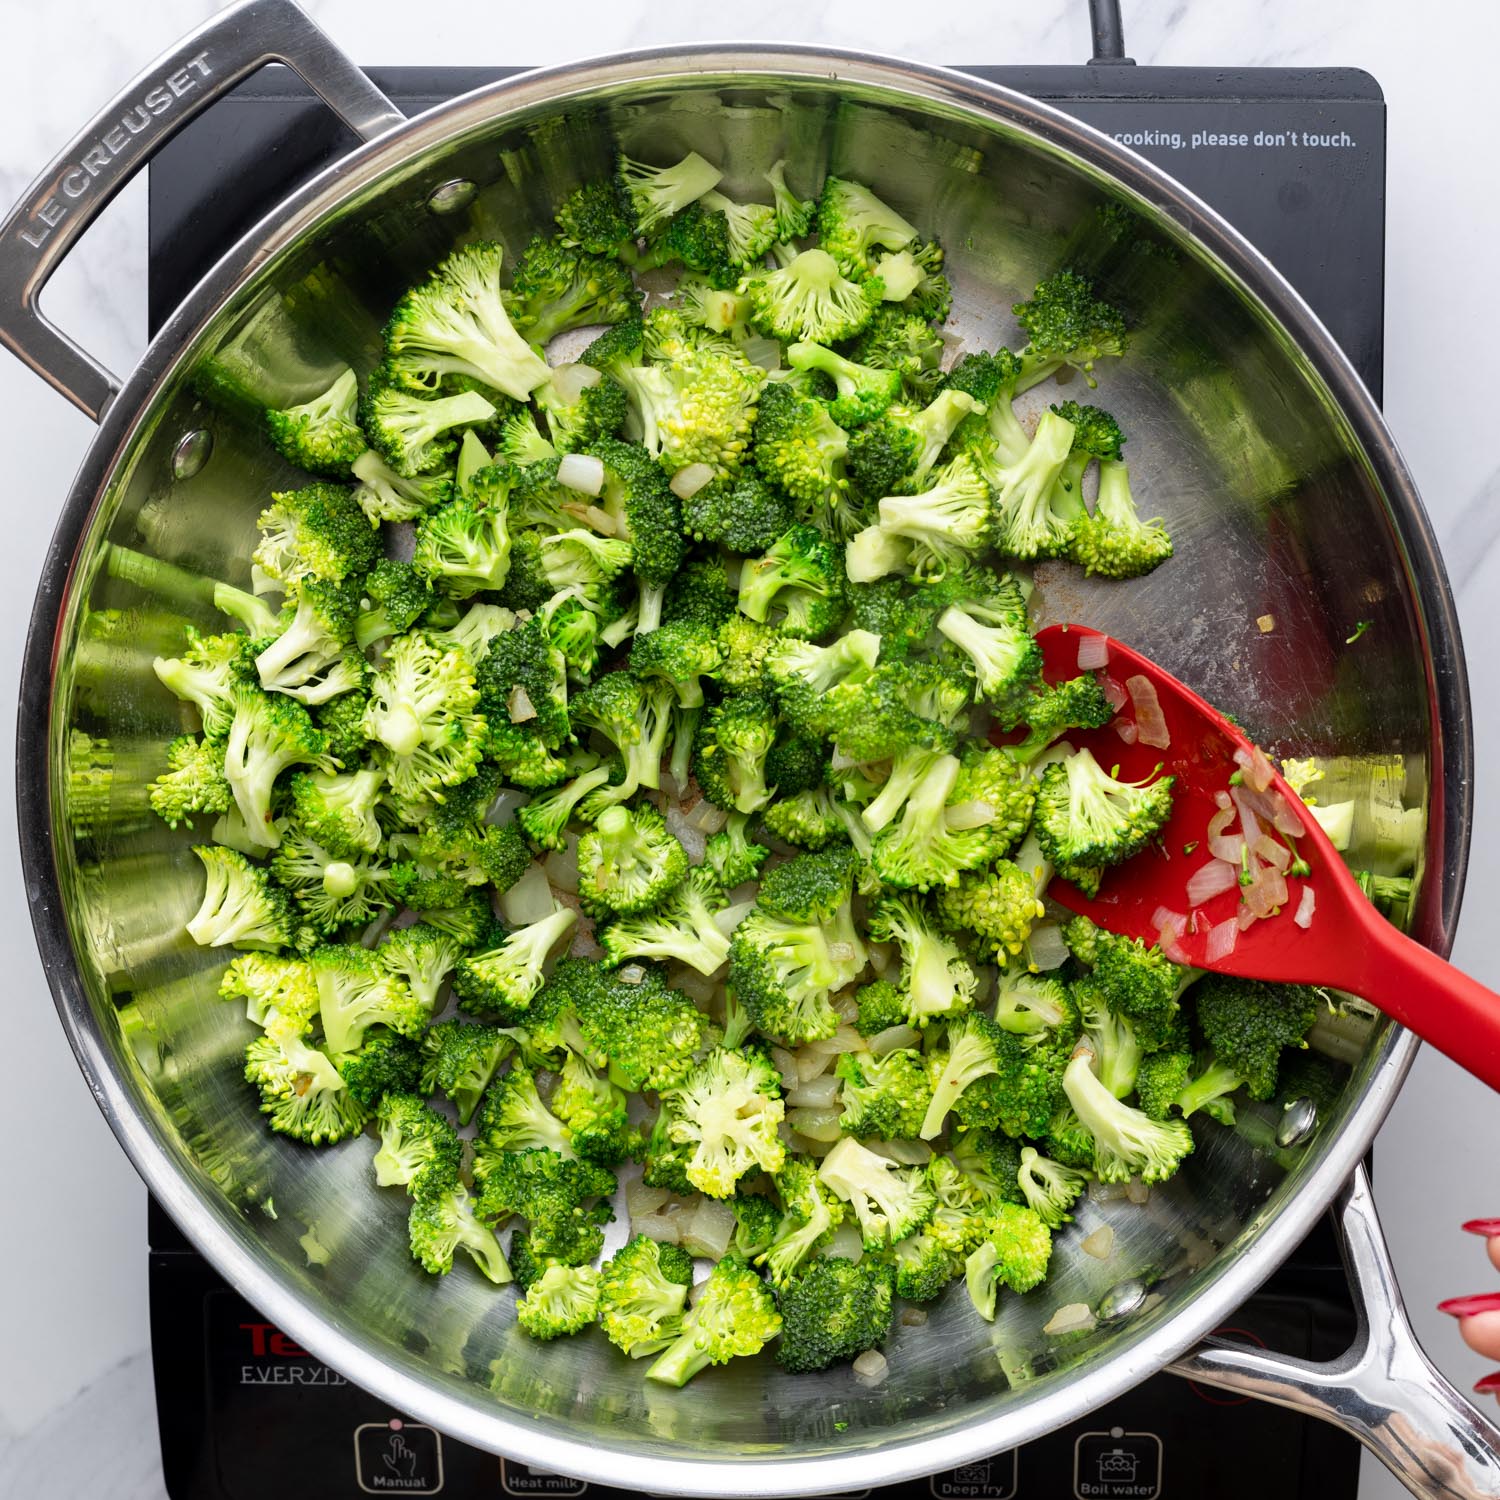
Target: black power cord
point(1109, 34)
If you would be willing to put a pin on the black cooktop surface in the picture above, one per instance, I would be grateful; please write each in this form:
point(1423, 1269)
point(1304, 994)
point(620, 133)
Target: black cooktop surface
point(1296, 160)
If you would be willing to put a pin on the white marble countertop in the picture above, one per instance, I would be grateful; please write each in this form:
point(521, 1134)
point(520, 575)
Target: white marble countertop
point(76, 1414)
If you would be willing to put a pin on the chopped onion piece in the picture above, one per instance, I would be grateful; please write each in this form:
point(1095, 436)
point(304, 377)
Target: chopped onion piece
point(763, 353)
point(582, 472)
point(561, 866)
point(632, 974)
point(1114, 692)
point(1137, 1192)
point(964, 815)
point(681, 826)
point(1305, 907)
point(688, 481)
point(1222, 937)
point(529, 899)
point(1100, 1244)
point(1230, 848)
point(845, 1006)
point(892, 1039)
point(519, 705)
point(816, 1124)
point(786, 1065)
point(709, 1229)
point(817, 1093)
point(841, 952)
point(600, 520)
point(730, 917)
point(1273, 853)
point(1267, 889)
point(844, 1244)
point(657, 1227)
point(1259, 773)
point(1170, 922)
point(641, 1200)
point(913, 1317)
point(811, 1064)
point(1249, 823)
point(503, 808)
point(1222, 802)
point(1127, 731)
point(1046, 947)
point(1216, 877)
point(1265, 623)
point(845, 1039)
point(1244, 918)
point(1093, 652)
point(1076, 1317)
point(705, 817)
point(571, 381)
point(871, 1367)
point(1149, 718)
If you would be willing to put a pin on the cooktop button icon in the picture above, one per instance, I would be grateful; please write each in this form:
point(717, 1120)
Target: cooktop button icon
point(398, 1458)
point(1117, 1465)
point(517, 1478)
point(987, 1479)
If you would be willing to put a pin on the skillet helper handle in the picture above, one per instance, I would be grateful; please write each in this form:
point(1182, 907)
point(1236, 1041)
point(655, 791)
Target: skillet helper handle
point(70, 194)
point(1384, 1390)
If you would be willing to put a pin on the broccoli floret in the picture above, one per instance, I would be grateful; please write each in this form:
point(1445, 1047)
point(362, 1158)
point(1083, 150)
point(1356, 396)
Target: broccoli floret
point(794, 215)
point(992, 1079)
point(502, 979)
point(597, 412)
point(329, 890)
point(815, 684)
point(1050, 1187)
point(643, 1291)
point(745, 514)
point(524, 660)
point(415, 1140)
point(459, 1059)
point(681, 654)
point(635, 718)
point(936, 980)
point(715, 310)
point(1051, 711)
point(240, 904)
point(315, 532)
point(456, 324)
point(991, 785)
point(811, 819)
point(563, 1201)
point(810, 1215)
point(987, 622)
point(647, 515)
point(731, 854)
point(928, 533)
point(896, 339)
point(656, 193)
point(421, 956)
point(628, 861)
point(206, 675)
point(513, 1120)
point(321, 435)
point(648, 1031)
point(881, 1006)
point(1126, 1143)
point(267, 983)
point(801, 449)
point(729, 756)
point(1066, 325)
point(700, 408)
point(557, 286)
point(755, 1222)
point(890, 1201)
point(1248, 1023)
point(192, 783)
point(463, 548)
point(312, 641)
point(834, 1310)
point(1014, 1253)
point(1032, 517)
point(700, 592)
point(797, 762)
point(810, 298)
point(341, 720)
point(355, 992)
point(884, 1097)
point(414, 433)
point(561, 1301)
point(301, 1091)
point(1037, 1008)
point(1141, 983)
point(920, 850)
point(1084, 816)
point(594, 1110)
point(899, 452)
point(395, 596)
point(988, 1162)
point(598, 217)
point(914, 278)
point(545, 818)
point(863, 391)
point(521, 442)
point(799, 581)
point(682, 927)
point(385, 495)
point(853, 223)
point(998, 907)
point(441, 1220)
point(422, 710)
point(735, 1314)
point(727, 1110)
point(1114, 542)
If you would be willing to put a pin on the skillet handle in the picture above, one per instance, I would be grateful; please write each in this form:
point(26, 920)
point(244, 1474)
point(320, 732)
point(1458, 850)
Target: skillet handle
point(1384, 1390)
point(55, 210)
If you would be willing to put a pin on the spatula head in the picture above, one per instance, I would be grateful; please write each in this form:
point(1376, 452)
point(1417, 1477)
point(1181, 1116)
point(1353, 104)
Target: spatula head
point(1201, 758)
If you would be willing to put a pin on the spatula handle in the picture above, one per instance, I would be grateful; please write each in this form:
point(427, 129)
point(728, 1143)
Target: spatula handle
point(1427, 995)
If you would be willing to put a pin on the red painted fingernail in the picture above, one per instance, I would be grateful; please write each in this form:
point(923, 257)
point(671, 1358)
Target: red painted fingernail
point(1486, 1227)
point(1489, 1384)
point(1465, 1307)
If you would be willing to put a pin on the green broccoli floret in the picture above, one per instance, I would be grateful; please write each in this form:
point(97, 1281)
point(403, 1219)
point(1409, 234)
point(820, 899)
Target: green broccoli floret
point(545, 818)
point(914, 279)
point(441, 1220)
point(993, 788)
point(240, 905)
point(799, 448)
point(192, 783)
point(1051, 711)
point(832, 1311)
point(301, 1091)
point(735, 1314)
point(329, 890)
point(1126, 1143)
point(648, 1031)
point(681, 654)
point(884, 1097)
point(1140, 983)
point(385, 495)
point(729, 756)
point(459, 1059)
point(998, 907)
point(904, 341)
point(563, 1202)
point(647, 515)
point(1037, 1008)
point(305, 659)
point(815, 684)
point(266, 983)
point(745, 514)
point(597, 412)
point(863, 391)
point(1050, 1187)
point(811, 819)
point(1015, 1253)
point(315, 532)
point(411, 432)
point(415, 1141)
point(557, 286)
point(522, 679)
point(562, 1300)
point(937, 982)
point(628, 861)
point(928, 533)
point(811, 298)
point(727, 1110)
point(421, 956)
point(422, 710)
point(463, 548)
point(1084, 816)
point(1066, 325)
point(456, 324)
point(521, 442)
point(598, 217)
point(656, 193)
point(715, 310)
point(899, 452)
point(890, 1201)
point(853, 224)
point(919, 849)
point(731, 854)
point(881, 1006)
point(799, 580)
point(810, 1215)
point(206, 675)
point(794, 215)
point(502, 979)
point(342, 720)
point(513, 1120)
point(993, 1079)
point(321, 435)
point(988, 1162)
point(1114, 542)
point(594, 1110)
point(634, 717)
point(643, 1291)
point(355, 992)
point(1248, 1023)
point(1032, 517)
point(700, 592)
point(756, 1218)
point(987, 621)
point(394, 597)
point(682, 927)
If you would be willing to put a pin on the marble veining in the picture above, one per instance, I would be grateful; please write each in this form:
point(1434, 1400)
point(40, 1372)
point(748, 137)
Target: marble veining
point(76, 1413)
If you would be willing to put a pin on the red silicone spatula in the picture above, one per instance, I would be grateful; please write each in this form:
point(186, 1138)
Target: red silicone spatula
point(1346, 945)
